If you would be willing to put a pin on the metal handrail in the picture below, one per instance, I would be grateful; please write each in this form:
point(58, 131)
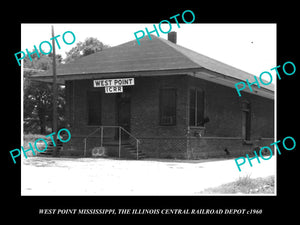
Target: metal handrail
point(85, 139)
point(129, 134)
point(93, 132)
point(120, 137)
point(137, 141)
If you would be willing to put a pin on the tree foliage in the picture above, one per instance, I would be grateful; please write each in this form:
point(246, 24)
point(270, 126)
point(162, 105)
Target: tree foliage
point(89, 46)
point(37, 96)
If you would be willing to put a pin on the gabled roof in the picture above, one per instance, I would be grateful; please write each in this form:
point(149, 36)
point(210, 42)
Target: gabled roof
point(157, 55)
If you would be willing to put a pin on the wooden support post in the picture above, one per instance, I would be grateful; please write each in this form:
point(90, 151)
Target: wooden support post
point(137, 150)
point(54, 126)
point(120, 142)
point(101, 136)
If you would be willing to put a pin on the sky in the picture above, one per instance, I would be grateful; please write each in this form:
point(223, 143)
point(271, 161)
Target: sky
point(249, 47)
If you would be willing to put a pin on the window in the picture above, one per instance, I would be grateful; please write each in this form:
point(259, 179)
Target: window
point(94, 107)
point(246, 120)
point(167, 107)
point(196, 107)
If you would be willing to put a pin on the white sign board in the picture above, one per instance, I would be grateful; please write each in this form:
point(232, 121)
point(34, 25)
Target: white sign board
point(114, 82)
point(115, 89)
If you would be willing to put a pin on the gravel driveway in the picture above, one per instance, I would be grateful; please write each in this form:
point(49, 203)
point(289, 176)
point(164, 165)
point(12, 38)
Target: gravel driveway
point(98, 176)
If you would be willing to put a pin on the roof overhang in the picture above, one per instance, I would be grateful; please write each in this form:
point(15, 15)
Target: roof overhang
point(202, 73)
point(230, 82)
point(61, 78)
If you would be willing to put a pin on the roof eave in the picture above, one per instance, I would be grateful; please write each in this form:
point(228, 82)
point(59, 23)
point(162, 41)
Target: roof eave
point(202, 73)
point(230, 82)
point(144, 73)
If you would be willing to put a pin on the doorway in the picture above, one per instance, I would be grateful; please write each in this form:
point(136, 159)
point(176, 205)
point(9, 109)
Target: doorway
point(246, 120)
point(123, 106)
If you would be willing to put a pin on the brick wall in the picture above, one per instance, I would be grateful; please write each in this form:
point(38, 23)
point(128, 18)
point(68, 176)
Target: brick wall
point(76, 108)
point(207, 147)
point(175, 147)
point(145, 107)
point(222, 106)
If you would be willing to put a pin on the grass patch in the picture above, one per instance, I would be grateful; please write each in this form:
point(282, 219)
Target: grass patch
point(245, 185)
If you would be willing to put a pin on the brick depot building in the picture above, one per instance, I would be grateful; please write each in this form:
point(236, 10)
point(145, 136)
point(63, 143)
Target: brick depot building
point(182, 104)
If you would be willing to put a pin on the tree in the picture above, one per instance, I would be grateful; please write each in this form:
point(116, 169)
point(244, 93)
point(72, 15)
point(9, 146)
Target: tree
point(37, 96)
point(89, 46)
point(44, 62)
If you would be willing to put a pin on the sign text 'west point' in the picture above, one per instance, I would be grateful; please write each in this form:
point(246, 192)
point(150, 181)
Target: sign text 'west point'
point(114, 82)
point(114, 85)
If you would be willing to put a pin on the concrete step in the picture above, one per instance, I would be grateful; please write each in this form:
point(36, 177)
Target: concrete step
point(131, 149)
point(50, 148)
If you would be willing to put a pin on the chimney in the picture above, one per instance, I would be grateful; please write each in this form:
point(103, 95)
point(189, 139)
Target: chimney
point(172, 36)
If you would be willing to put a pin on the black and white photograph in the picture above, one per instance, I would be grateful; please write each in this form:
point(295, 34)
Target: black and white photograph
point(152, 115)
point(177, 113)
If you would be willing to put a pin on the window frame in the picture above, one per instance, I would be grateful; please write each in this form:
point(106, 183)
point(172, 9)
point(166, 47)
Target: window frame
point(246, 120)
point(174, 122)
point(195, 104)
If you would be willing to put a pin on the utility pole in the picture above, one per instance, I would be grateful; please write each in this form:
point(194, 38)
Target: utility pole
point(54, 125)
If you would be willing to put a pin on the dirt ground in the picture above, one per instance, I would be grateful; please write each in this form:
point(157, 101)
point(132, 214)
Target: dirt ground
point(99, 176)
